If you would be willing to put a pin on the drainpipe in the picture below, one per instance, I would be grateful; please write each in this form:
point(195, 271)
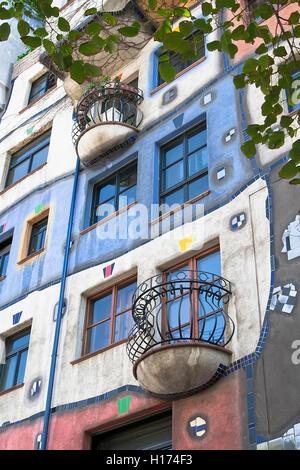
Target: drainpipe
point(59, 313)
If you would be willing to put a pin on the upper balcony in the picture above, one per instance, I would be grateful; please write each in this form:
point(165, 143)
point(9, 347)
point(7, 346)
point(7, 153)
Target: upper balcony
point(181, 329)
point(106, 119)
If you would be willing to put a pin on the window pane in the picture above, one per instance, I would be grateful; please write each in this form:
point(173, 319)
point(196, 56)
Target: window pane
point(124, 323)
point(22, 366)
point(173, 175)
point(197, 161)
point(39, 158)
point(210, 263)
point(127, 197)
point(101, 309)
point(179, 275)
point(9, 373)
point(106, 191)
point(18, 172)
point(212, 325)
point(178, 311)
point(197, 140)
point(98, 336)
point(3, 263)
point(174, 154)
point(176, 197)
point(127, 179)
point(18, 342)
point(124, 300)
point(198, 187)
point(104, 210)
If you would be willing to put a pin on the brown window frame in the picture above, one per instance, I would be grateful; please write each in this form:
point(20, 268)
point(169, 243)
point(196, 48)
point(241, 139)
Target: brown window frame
point(113, 290)
point(192, 266)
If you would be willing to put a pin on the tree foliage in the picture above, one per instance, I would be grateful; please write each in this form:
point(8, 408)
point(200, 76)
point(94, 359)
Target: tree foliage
point(271, 69)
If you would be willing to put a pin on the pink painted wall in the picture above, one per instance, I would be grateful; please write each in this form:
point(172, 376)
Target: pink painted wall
point(245, 49)
point(224, 408)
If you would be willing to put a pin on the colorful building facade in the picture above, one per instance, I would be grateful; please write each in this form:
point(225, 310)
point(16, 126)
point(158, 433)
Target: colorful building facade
point(149, 271)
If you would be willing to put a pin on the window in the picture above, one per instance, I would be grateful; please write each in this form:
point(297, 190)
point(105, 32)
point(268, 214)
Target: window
point(109, 317)
point(28, 159)
point(13, 371)
point(181, 64)
point(154, 433)
point(41, 85)
point(118, 191)
point(4, 255)
point(38, 236)
point(184, 173)
point(185, 314)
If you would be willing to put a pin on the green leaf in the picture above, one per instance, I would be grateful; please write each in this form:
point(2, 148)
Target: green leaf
point(286, 121)
point(248, 148)
point(238, 33)
point(66, 49)
point(164, 58)
point(214, 46)
point(297, 31)
point(46, 9)
point(182, 11)
point(276, 140)
point(63, 24)
point(206, 8)
point(74, 35)
point(49, 46)
point(186, 27)
point(23, 28)
point(91, 70)
point(294, 18)
point(94, 28)
point(90, 11)
point(295, 181)
point(289, 170)
point(280, 51)
point(77, 71)
point(250, 66)
point(88, 48)
point(265, 11)
point(110, 19)
point(40, 32)
point(152, 4)
point(130, 31)
point(262, 49)
point(4, 31)
point(32, 41)
point(5, 14)
point(202, 25)
point(239, 81)
point(167, 71)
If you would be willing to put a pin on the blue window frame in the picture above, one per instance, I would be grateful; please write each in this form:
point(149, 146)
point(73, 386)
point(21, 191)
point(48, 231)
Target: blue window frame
point(28, 159)
point(4, 255)
point(184, 167)
point(119, 190)
point(41, 85)
point(179, 63)
point(13, 371)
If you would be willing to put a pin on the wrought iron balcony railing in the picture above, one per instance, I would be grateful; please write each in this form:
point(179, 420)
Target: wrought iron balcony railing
point(180, 307)
point(111, 102)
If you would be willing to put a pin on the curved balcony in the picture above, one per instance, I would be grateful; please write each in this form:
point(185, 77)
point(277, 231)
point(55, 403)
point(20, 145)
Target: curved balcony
point(106, 118)
point(178, 342)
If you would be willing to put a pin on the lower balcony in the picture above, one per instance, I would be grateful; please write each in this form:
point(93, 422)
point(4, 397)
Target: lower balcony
point(179, 341)
point(106, 119)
